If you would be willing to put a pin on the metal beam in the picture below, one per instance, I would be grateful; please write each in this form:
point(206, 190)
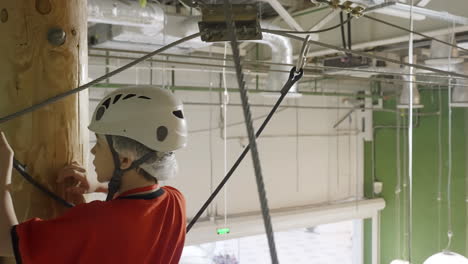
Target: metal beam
point(283, 13)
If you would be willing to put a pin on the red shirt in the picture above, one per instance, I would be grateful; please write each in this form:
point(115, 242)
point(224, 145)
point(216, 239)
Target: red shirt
point(133, 228)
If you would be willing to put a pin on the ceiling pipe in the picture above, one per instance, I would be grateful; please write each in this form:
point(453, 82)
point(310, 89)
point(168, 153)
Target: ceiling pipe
point(404, 9)
point(423, 3)
point(389, 41)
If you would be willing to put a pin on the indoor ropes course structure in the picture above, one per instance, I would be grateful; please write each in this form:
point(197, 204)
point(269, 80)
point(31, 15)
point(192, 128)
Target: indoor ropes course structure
point(295, 75)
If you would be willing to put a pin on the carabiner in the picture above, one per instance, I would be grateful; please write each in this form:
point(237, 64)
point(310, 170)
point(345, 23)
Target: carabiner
point(302, 59)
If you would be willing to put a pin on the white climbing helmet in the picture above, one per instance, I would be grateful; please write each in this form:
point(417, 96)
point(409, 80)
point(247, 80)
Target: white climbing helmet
point(149, 115)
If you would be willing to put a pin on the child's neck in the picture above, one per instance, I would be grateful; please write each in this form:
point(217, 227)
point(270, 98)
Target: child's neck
point(132, 180)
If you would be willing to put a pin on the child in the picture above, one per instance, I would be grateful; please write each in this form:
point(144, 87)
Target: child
point(137, 130)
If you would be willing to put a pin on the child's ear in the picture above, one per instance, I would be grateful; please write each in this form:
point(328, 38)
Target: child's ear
point(125, 163)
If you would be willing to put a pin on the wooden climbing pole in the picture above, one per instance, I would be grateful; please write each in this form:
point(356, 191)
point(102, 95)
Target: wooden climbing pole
point(43, 52)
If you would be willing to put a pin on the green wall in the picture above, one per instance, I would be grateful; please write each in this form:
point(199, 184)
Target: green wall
point(429, 227)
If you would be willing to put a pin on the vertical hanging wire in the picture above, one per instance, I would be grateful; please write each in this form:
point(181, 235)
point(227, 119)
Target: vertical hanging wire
point(439, 183)
point(449, 176)
point(297, 145)
point(137, 81)
point(356, 155)
point(163, 72)
point(329, 160)
point(338, 143)
point(405, 192)
point(349, 158)
point(151, 72)
point(410, 139)
point(211, 212)
point(398, 187)
point(225, 106)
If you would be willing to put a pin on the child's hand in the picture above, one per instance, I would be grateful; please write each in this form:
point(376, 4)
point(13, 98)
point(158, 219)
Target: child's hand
point(6, 152)
point(77, 172)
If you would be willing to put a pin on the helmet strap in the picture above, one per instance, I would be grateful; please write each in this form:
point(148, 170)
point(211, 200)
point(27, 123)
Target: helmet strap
point(116, 180)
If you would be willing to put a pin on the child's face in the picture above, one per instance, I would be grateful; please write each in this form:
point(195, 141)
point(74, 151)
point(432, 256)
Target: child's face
point(103, 161)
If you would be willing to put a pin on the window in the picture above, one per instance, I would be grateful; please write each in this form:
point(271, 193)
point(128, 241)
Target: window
point(323, 244)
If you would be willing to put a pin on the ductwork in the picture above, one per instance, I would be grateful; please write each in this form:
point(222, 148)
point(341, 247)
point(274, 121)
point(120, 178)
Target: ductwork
point(441, 54)
point(460, 88)
point(149, 28)
point(129, 13)
point(176, 28)
point(281, 52)
point(446, 58)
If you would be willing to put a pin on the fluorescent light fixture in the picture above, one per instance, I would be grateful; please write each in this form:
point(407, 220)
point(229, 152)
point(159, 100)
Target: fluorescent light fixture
point(418, 11)
point(398, 13)
point(443, 61)
point(389, 8)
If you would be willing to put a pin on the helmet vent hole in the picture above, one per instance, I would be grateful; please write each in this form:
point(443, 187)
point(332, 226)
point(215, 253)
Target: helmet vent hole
point(100, 113)
point(129, 96)
point(107, 102)
point(144, 97)
point(179, 114)
point(161, 133)
point(116, 98)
